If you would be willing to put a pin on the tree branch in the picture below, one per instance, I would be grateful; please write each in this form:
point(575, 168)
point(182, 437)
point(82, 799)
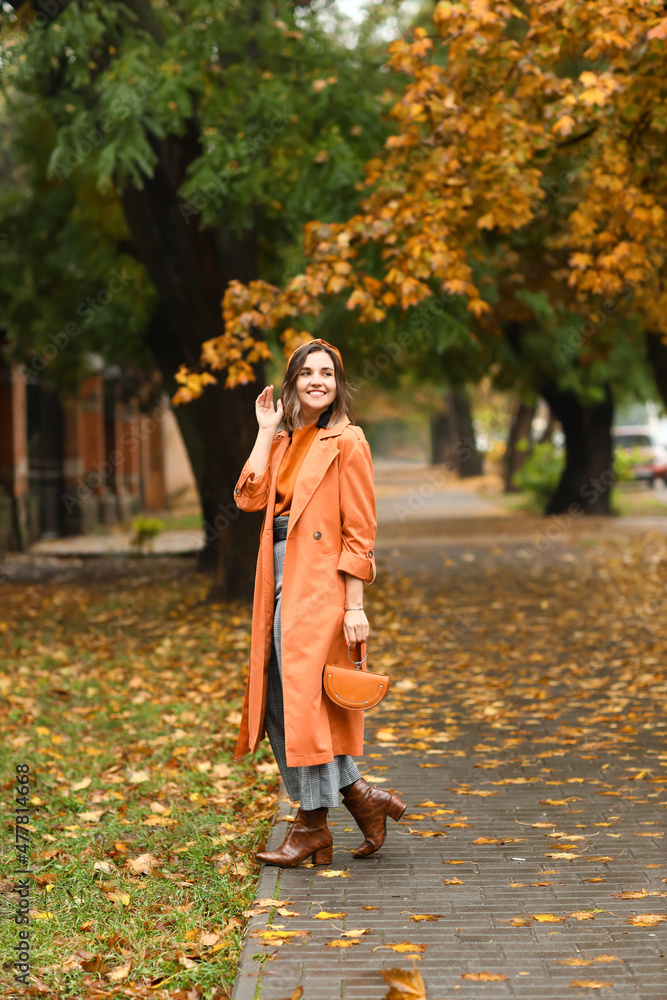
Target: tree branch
point(577, 138)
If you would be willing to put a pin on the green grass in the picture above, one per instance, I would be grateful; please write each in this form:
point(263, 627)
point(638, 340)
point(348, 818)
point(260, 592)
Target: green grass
point(113, 686)
point(628, 500)
point(172, 522)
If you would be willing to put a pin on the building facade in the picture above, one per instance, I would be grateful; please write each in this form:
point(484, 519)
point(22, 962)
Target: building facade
point(69, 464)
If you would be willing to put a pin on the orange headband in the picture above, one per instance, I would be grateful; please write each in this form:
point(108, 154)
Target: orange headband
point(318, 340)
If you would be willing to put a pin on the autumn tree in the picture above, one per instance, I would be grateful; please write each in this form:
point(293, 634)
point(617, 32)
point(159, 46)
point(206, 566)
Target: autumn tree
point(459, 211)
point(187, 144)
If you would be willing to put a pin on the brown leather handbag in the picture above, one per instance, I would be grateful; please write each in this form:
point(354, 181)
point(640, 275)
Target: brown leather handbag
point(354, 687)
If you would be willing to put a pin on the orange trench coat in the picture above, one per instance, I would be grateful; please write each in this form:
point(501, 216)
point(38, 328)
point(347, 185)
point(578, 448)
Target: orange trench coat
point(331, 531)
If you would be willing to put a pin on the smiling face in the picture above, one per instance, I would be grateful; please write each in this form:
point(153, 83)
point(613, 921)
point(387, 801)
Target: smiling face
point(315, 386)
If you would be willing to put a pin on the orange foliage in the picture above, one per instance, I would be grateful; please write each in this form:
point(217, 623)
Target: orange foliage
point(475, 139)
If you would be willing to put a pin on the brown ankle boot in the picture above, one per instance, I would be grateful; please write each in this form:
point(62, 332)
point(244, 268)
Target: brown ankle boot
point(308, 834)
point(370, 808)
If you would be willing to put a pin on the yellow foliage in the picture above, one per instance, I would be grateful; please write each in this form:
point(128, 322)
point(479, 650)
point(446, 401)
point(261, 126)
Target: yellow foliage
point(475, 141)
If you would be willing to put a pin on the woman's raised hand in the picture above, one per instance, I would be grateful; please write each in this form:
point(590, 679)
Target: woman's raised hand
point(268, 416)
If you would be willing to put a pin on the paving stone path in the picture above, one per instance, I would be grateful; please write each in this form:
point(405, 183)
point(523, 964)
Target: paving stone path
point(572, 798)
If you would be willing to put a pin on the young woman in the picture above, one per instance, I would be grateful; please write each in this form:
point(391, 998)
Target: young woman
point(315, 480)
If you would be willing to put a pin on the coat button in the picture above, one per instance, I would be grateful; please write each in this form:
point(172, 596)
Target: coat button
point(370, 553)
point(317, 534)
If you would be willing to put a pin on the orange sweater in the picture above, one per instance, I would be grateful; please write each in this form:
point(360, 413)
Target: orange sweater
point(302, 438)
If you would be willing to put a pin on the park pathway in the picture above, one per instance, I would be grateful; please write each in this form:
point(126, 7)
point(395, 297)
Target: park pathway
point(526, 732)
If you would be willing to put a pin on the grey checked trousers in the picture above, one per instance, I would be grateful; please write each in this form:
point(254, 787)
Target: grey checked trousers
point(318, 785)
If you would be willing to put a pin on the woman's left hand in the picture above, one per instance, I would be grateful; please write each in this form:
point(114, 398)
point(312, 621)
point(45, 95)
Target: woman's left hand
point(355, 626)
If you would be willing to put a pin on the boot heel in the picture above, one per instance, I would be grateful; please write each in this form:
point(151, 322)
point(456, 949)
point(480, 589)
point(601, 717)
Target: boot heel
point(396, 808)
point(323, 856)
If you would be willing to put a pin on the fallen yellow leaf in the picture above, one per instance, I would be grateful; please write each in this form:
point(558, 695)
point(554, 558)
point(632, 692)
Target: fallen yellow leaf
point(142, 865)
point(120, 972)
point(404, 984)
point(137, 777)
point(589, 984)
point(485, 977)
point(498, 840)
point(118, 897)
point(278, 936)
point(647, 919)
point(93, 816)
point(403, 946)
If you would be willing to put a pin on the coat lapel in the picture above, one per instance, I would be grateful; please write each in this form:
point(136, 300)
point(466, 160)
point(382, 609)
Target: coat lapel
point(318, 458)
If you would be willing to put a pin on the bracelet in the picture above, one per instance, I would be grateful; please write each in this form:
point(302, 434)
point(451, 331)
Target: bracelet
point(354, 609)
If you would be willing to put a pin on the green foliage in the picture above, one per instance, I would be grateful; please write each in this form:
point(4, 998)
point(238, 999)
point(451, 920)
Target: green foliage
point(264, 115)
point(263, 112)
point(145, 530)
point(625, 460)
point(539, 475)
point(538, 302)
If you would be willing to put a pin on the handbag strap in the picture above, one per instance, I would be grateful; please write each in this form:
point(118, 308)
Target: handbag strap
point(358, 663)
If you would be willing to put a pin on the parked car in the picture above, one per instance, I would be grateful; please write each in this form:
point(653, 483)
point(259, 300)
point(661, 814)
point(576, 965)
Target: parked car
point(651, 454)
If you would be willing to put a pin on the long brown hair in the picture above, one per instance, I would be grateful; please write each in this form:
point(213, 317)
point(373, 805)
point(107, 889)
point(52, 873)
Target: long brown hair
point(342, 405)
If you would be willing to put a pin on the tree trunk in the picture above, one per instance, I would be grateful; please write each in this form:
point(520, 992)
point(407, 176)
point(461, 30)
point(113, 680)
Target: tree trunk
point(656, 349)
point(520, 428)
point(588, 475)
point(190, 270)
point(462, 447)
point(453, 437)
point(439, 439)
